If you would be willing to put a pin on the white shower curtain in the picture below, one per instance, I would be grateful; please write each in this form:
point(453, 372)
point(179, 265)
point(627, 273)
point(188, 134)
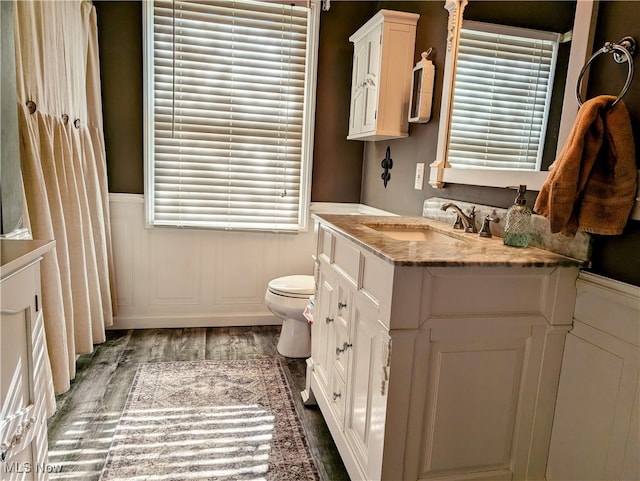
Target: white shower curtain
point(64, 173)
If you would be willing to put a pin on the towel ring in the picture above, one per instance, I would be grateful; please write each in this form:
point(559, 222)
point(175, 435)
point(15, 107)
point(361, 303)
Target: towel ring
point(626, 48)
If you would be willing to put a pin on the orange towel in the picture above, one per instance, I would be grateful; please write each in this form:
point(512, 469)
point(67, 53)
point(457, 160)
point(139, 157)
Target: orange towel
point(592, 184)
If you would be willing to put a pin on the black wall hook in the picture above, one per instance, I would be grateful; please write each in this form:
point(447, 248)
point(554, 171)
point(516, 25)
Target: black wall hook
point(387, 164)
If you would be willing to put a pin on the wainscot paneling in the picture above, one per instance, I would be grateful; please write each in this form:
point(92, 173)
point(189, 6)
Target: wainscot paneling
point(169, 277)
point(596, 429)
point(189, 278)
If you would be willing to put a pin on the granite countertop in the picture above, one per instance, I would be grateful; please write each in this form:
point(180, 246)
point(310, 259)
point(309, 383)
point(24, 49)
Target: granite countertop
point(460, 249)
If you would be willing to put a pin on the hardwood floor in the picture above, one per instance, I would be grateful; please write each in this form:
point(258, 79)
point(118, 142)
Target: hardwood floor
point(80, 432)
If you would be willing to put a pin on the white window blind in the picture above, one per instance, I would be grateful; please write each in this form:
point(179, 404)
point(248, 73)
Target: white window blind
point(502, 93)
point(228, 130)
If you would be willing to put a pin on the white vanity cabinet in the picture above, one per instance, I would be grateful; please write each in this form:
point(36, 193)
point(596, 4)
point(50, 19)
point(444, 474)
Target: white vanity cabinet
point(434, 371)
point(26, 392)
point(383, 55)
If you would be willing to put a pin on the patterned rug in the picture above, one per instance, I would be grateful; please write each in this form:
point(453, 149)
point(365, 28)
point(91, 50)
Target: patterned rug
point(210, 420)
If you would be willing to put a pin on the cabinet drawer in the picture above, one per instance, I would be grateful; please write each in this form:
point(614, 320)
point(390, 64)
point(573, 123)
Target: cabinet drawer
point(325, 244)
point(377, 278)
point(337, 397)
point(347, 259)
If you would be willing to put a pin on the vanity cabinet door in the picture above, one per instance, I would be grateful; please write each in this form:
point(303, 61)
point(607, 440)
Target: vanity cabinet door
point(323, 327)
point(482, 377)
point(342, 340)
point(340, 348)
point(369, 372)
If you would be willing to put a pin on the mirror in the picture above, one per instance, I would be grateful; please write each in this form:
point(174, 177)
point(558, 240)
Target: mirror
point(580, 48)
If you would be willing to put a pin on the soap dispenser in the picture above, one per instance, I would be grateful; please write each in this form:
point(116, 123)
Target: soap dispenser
point(517, 229)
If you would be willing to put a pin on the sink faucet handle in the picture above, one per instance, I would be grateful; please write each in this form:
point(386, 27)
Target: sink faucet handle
point(471, 218)
point(485, 230)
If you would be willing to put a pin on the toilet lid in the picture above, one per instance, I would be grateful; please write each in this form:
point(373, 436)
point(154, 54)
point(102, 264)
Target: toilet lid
point(293, 286)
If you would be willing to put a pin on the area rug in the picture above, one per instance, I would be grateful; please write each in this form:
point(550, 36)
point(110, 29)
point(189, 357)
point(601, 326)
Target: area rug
point(210, 420)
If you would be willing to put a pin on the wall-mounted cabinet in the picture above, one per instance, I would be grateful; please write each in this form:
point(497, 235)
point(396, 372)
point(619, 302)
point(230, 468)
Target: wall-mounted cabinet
point(383, 59)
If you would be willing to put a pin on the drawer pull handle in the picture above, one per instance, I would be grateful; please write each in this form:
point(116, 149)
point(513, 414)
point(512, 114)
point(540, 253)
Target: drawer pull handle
point(342, 305)
point(5, 448)
point(336, 395)
point(328, 320)
point(345, 346)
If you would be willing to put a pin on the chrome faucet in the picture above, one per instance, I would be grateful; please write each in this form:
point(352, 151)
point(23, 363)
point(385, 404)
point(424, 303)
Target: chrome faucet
point(463, 221)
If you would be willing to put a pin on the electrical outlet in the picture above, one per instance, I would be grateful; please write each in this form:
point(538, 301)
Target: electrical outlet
point(419, 182)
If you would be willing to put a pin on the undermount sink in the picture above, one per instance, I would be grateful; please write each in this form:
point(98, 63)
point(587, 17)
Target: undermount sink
point(413, 233)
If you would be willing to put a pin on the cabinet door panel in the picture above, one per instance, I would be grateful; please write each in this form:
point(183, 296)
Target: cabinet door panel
point(343, 344)
point(323, 327)
point(357, 88)
point(367, 386)
point(371, 80)
point(476, 384)
point(338, 397)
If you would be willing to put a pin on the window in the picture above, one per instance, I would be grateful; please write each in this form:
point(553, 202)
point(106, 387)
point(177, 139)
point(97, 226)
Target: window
point(501, 97)
point(230, 90)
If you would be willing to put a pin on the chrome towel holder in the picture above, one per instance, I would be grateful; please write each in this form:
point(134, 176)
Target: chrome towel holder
point(622, 51)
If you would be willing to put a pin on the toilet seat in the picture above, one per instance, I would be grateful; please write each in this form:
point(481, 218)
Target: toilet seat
point(299, 286)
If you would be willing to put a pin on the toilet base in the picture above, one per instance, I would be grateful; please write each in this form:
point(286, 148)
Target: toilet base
point(295, 339)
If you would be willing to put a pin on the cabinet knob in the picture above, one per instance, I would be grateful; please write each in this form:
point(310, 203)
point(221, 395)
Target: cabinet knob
point(336, 395)
point(328, 320)
point(345, 346)
point(342, 305)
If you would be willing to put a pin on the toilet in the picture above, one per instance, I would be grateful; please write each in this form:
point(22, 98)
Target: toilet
point(287, 297)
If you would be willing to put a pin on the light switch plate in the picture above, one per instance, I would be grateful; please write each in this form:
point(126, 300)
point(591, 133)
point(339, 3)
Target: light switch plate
point(419, 182)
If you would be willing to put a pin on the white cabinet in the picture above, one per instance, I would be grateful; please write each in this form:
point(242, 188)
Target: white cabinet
point(436, 373)
point(350, 351)
point(26, 392)
point(383, 51)
point(596, 428)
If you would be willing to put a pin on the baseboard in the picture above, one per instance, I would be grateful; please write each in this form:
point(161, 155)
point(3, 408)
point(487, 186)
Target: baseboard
point(173, 321)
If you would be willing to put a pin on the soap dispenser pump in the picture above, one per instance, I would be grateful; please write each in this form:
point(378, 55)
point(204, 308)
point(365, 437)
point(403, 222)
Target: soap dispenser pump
point(517, 229)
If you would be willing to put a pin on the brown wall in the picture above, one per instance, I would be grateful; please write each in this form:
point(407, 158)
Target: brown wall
point(349, 171)
point(618, 257)
point(120, 40)
point(337, 166)
point(337, 162)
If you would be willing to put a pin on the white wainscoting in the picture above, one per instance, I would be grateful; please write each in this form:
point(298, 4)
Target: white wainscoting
point(168, 277)
point(596, 428)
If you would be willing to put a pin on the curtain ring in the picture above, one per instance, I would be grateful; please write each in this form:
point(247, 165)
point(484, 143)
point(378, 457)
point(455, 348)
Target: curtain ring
point(76, 123)
point(31, 105)
point(65, 119)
